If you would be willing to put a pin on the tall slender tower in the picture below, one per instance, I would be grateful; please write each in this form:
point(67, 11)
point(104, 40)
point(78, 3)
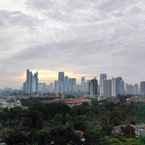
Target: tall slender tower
point(118, 88)
point(103, 77)
point(93, 88)
point(61, 82)
point(29, 77)
point(31, 83)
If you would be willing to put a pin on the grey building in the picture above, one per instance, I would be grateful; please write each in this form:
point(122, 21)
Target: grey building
point(142, 88)
point(93, 88)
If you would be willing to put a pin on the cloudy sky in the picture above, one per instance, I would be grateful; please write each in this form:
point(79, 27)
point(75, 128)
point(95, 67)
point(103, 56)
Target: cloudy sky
point(81, 37)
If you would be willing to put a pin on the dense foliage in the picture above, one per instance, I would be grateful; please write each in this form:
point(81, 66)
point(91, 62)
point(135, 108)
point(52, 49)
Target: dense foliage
point(57, 123)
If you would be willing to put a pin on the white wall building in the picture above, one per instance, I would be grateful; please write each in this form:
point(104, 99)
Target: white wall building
point(103, 77)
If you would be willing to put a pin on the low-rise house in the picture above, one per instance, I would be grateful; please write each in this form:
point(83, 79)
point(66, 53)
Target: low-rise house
point(130, 130)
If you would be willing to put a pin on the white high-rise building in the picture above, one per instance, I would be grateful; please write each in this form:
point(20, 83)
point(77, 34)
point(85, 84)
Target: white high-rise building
point(103, 77)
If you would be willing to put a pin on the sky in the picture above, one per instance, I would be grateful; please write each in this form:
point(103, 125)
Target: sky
point(80, 37)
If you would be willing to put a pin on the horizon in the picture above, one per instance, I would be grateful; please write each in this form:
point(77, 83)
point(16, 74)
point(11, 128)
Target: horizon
point(82, 38)
point(48, 77)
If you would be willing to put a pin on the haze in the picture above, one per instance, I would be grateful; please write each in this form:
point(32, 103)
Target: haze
point(84, 37)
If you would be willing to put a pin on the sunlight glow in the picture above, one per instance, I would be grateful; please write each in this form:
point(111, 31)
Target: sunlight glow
point(48, 75)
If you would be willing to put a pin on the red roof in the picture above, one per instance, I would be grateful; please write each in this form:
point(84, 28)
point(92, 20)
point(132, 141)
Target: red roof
point(77, 101)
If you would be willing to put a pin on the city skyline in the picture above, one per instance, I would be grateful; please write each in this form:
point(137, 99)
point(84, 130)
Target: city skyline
point(48, 77)
point(102, 87)
point(84, 38)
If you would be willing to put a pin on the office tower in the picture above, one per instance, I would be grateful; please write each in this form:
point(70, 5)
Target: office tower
point(129, 89)
point(24, 87)
point(137, 91)
point(31, 83)
point(61, 82)
point(61, 76)
point(83, 85)
point(117, 87)
point(83, 88)
point(83, 81)
point(142, 88)
point(50, 88)
point(103, 77)
point(93, 88)
point(132, 89)
point(88, 87)
point(72, 85)
point(43, 88)
point(107, 88)
point(35, 83)
point(66, 84)
point(56, 84)
point(61, 86)
point(29, 79)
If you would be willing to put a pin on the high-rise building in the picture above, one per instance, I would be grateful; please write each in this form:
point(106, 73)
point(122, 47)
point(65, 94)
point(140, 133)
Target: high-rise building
point(56, 86)
point(35, 82)
point(142, 88)
point(93, 88)
point(137, 90)
point(28, 82)
point(25, 87)
point(66, 84)
point(31, 84)
point(117, 87)
point(43, 88)
point(83, 86)
point(131, 89)
point(72, 85)
point(103, 77)
point(61, 76)
point(107, 88)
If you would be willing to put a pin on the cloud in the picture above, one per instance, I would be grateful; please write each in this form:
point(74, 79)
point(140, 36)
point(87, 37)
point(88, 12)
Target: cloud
point(18, 18)
point(89, 37)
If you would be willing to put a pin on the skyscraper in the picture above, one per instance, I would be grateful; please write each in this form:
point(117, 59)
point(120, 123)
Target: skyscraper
point(83, 86)
point(107, 88)
point(131, 89)
point(66, 84)
point(117, 87)
point(61, 82)
point(28, 82)
point(142, 88)
point(35, 82)
point(61, 76)
point(93, 87)
point(103, 77)
point(137, 90)
point(31, 84)
point(72, 85)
